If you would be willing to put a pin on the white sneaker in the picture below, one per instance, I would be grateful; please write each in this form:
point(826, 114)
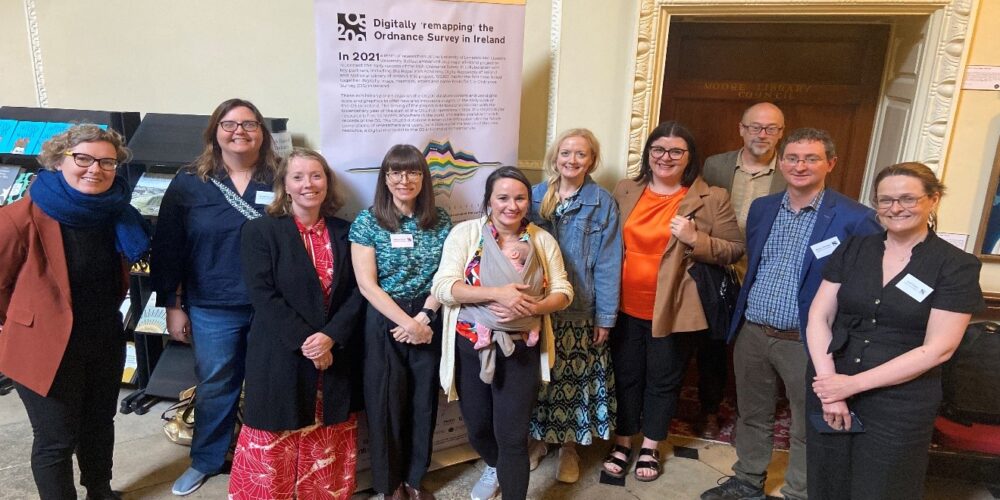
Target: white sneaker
point(488, 486)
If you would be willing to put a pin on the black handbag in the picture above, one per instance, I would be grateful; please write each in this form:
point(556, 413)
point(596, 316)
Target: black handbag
point(718, 289)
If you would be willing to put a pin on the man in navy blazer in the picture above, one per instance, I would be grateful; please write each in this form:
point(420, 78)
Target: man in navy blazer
point(789, 236)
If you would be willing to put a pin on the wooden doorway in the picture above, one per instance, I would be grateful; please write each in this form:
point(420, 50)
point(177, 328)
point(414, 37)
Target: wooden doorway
point(825, 76)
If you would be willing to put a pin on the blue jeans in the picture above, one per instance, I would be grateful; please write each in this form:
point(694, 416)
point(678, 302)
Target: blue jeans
point(219, 337)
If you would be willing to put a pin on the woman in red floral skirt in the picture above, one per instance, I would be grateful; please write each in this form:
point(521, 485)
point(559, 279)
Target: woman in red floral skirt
point(298, 438)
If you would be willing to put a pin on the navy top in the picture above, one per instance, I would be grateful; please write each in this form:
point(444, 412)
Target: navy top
point(197, 243)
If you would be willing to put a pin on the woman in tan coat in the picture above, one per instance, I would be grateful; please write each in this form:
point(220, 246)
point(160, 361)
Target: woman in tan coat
point(672, 219)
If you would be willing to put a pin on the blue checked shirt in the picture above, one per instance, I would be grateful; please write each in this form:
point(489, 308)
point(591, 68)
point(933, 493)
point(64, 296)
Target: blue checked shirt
point(773, 298)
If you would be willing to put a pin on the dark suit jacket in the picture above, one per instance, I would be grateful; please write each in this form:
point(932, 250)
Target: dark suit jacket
point(280, 388)
point(719, 170)
point(35, 307)
point(838, 216)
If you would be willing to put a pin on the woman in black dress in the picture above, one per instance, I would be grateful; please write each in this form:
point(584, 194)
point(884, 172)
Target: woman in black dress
point(891, 309)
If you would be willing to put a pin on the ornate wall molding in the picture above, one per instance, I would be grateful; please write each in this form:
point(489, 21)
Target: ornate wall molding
point(944, 64)
point(31, 17)
point(555, 39)
point(927, 133)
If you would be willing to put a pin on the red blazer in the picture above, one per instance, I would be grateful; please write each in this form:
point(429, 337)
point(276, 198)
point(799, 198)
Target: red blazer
point(35, 307)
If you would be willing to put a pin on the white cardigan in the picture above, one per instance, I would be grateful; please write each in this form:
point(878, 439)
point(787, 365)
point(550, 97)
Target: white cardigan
point(459, 248)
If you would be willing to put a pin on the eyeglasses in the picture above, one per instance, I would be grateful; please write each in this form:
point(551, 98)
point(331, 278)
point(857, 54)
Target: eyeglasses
point(657, 152)
point(905, 201)
point(404, 175)
point(769, 130)
point(85, 161)
point(248, 125)
point(812, 161)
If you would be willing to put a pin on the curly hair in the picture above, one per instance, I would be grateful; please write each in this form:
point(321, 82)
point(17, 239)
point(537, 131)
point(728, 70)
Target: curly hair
point(54, 149)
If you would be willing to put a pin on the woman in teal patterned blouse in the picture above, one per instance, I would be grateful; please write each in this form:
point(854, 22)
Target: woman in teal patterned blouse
point(396, 246)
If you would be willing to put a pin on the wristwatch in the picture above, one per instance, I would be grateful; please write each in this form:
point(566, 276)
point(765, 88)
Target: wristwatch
point(431, 314)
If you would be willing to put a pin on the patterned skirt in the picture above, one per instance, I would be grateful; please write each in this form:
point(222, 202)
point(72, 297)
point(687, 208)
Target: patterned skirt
point(579, 403)
point(309, 463)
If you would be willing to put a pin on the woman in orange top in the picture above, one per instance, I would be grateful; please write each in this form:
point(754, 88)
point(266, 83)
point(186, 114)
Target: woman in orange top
point(672, 219)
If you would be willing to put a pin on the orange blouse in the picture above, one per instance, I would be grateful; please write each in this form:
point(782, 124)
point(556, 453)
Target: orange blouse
point(645, 234)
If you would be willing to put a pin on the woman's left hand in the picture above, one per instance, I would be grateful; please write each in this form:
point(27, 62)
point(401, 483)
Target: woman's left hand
point(600, 334)
point(684, 229)
point(419, 333)
point(504, 313)
point(317, 345)
point(323, 362)
point(834, 387)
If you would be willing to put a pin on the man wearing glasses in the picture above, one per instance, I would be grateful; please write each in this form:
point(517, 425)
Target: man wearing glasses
point(789, 237)
point(749, 172)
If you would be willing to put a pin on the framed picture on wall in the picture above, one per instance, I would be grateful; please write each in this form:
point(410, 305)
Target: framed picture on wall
point(988, 240)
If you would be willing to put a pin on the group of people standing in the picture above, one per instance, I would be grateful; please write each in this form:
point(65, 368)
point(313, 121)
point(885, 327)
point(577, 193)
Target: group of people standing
point(564, 314)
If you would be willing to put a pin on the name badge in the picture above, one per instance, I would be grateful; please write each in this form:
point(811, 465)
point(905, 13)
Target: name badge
point(825, 247)
point(264, 198)
point(914, 288)
point(401, 240)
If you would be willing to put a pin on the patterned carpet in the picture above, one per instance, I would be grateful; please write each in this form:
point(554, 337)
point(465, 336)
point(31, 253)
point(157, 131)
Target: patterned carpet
point(687, 415)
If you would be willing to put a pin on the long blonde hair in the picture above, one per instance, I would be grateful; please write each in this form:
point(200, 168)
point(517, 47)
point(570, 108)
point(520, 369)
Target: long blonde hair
point(551, 199)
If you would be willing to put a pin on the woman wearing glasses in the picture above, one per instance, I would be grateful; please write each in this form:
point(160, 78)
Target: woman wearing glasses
point(672, 219)
point(196, 273)
point(891, 308)
point(396, 246)
point(65, 249)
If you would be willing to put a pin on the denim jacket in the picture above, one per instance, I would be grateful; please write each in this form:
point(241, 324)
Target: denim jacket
point(589, 232)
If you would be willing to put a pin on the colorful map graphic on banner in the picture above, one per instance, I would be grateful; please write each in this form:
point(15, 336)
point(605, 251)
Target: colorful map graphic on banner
point(447, 166)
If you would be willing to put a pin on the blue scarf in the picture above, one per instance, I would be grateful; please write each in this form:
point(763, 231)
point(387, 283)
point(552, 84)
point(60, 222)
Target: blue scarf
point(69, 207)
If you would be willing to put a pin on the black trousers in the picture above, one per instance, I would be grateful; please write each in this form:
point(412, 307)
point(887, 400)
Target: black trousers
point(713, 370)
point(78, 414)
point(401, 398)
point(648, 375)
point(497, 415)
point(889, 460)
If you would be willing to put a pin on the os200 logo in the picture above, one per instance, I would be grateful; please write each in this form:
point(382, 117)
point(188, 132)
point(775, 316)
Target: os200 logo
point(351, 27)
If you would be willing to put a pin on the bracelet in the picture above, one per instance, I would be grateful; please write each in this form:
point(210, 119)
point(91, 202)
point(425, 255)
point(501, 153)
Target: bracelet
point(431, 313)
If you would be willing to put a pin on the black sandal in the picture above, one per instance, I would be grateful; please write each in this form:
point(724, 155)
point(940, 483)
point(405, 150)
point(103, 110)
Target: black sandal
point(613, 460)
point(653, 465)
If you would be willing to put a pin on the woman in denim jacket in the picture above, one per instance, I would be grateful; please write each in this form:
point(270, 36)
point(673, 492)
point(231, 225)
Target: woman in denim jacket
point(579, 403)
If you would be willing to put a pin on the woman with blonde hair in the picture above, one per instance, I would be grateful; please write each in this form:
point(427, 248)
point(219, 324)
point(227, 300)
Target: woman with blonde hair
point(579, 402)
point(65, 249)
point(297, 268)
point(197, 277)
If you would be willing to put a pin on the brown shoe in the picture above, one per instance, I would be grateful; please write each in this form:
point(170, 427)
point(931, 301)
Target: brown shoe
point(400, 493)
point(418, 493)
point(708, 426)
point(569, 465)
